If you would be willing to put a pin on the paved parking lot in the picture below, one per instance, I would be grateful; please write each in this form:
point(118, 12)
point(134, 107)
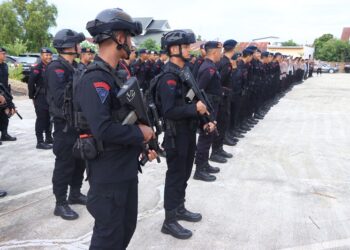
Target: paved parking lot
point(287, 187)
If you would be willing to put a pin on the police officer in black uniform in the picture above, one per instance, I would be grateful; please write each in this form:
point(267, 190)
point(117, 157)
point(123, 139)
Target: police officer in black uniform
point(5, 113)
point(68, 171)
point(209, 80)
point(225, 70)
point(199, 61)
point(2, 102)
point(37, 92)
point(86, 57)
point(159, 64)
point(241, 85)
point(235, 98)
point(181, 119)
point(140, 69)
point(113, 194)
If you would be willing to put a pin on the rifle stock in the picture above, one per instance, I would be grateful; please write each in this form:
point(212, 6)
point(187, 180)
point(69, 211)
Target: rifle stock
point(131, 96)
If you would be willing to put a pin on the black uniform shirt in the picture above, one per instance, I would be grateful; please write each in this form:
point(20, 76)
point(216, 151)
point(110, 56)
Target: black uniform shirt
point(225, 69)
point(171, 91)
point(97, 98)
point(209, 78)
point(4, 74)
point(36, 81)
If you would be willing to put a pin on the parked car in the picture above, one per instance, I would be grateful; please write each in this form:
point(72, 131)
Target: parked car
point(27, 63)
point(12, 61)
point(326, 68)
point(347, 68)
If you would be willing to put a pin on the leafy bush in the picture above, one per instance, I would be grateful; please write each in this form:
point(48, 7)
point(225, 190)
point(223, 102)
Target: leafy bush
point(16, 48)
point(16, 73)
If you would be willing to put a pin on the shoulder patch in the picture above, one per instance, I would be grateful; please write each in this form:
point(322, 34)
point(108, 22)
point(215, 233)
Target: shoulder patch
point(102, 90)
point(212, 71)
point(171, 82)
point(59, 73)
point(36, 71)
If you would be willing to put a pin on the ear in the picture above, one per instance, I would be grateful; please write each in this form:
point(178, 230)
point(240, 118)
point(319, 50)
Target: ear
point(120, 37)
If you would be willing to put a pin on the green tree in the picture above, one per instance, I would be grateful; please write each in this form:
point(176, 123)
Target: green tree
point(319, 42)
point(150, 44)
point(289, 43)
point(28, 21)
point(36, 17)
point(10, 28)
point(334, 50)
point(17, 47)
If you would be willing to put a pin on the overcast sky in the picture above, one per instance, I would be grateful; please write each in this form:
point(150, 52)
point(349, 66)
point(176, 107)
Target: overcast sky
point(300, 20)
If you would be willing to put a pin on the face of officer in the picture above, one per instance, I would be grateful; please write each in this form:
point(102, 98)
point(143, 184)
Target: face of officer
point(123, 38)
point(249, 58)
point(86, 58)
point(163, 57)
point(132, 55)
point(257, 55)
point(46, 57)
point(2, 57)
point(185, 50)
point(144, 57)
point(151, 57)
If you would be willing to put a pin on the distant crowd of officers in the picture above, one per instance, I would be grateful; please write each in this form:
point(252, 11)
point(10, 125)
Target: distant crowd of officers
point(241, 86)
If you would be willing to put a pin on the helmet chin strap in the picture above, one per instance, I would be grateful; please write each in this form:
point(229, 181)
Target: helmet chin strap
point(123, 46)
point(71, 53)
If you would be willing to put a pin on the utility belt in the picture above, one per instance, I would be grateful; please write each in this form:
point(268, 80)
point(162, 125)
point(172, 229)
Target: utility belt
point(214, 99)
point(226, 91)
point(86, 147)
point(173, 127)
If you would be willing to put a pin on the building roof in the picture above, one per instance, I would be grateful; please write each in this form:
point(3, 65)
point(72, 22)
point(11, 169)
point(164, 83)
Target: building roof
point(144, 20)
point(285, 47)
point(160, 25)
point(151, 25)
point(345, 36)
point(264, 38)
point(261, 45)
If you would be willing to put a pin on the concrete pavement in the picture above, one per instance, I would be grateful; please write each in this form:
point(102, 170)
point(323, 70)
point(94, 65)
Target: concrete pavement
point(287, 187)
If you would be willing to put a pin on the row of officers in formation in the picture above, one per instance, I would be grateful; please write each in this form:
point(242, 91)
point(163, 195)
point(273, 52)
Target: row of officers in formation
point(233, 91)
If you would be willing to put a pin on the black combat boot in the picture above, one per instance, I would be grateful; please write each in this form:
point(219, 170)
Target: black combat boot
point(229, 141)
point(43, 145)
point(245, 127)
point(49, 139)
point(201, 174)
point(75, 197)
point(7, 137)
point(258, 116)
point(215, 157)
point(172, 227)
point(223, 153)
point(2, 193)
point(210, 169)
point(183, 214)
point(63, 210)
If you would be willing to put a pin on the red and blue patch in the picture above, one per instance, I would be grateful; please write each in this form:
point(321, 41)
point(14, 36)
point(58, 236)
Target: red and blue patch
point(102, 90)
point(59, 73)
point(171, 83)
point(36, 71)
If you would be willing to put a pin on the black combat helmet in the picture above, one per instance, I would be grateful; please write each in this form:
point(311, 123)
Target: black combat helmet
point(177, 37)
point(67, 38)
point(110, 20)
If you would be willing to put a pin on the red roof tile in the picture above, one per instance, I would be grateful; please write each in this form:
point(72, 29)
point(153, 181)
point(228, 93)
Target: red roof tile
point(345, 36)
